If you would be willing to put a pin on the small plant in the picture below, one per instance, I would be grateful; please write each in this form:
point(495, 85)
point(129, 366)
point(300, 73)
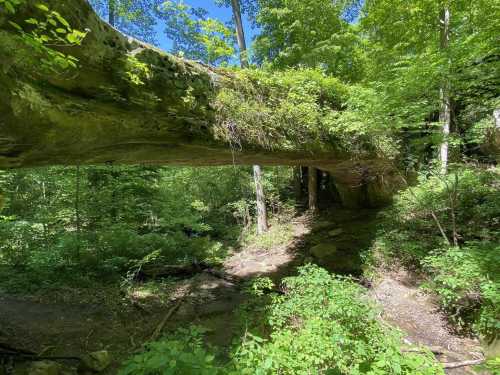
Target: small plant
point(323, 324)
point(259, 286)
point(180, 354)
point(278, 234)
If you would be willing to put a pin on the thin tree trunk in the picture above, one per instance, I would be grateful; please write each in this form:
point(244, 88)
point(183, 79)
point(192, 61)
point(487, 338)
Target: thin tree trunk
point(257, 174)
point(313, 189)
point(240, 34)
point(445, 112)
point(77, 212)
point(297, 174)
point(112, 12)
point(45, 226)
point(452, 197)
point(261, 201)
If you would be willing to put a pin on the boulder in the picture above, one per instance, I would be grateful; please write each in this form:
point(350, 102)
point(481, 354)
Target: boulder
point(323, 250)
point(45, 368)
point(96, 361)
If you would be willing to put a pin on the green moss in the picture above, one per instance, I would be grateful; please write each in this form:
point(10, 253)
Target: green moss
point(297, 110)
point(278, 111)
point(28, 98)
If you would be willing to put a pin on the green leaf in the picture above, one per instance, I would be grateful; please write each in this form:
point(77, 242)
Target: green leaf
point(62, 20)
point(72, 38)
point(42, 7)
point(16, 26)
point(10, 7)
point(32, 21)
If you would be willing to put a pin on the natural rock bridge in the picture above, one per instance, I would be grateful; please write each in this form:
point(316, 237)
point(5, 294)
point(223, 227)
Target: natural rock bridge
point(97, 114)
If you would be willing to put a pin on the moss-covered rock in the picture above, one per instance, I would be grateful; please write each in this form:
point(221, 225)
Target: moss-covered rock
point(324, 251)
point(96, 361)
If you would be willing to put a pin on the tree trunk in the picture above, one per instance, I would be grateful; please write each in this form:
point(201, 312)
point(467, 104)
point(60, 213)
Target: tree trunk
point(257, 175)
point(313, 189)
point(112, 12)
point(45, 224)
point(240, 33)
point(261, 201)
point(445, 112)
point(297, 178)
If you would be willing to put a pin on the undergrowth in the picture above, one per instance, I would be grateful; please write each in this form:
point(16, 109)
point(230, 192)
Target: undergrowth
point(278, 234)
point(322, 324)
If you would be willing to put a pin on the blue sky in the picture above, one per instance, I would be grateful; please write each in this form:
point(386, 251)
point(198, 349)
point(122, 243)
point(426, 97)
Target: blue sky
point(220, 13)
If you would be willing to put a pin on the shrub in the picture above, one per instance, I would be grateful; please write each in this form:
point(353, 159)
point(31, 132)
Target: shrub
point(182, 353)
point(325, 324)
point(467, 281)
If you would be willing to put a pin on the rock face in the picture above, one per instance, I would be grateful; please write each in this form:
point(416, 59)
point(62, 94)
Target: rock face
point(98, 113)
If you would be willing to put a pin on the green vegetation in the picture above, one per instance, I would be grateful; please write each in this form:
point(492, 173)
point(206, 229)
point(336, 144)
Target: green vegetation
point(182, 353)
point(194, 35)
point(311, 34)
point(407, 90)
point(461, 260)
point(103, 222)
point(323, 324)
point(44, 32)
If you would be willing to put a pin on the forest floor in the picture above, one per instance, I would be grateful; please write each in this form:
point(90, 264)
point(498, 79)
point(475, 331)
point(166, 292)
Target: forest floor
point(73, 322)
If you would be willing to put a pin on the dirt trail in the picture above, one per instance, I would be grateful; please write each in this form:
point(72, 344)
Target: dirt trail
point(416, 315)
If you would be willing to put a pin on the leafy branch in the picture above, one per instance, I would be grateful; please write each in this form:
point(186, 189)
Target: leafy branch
point(48, 32)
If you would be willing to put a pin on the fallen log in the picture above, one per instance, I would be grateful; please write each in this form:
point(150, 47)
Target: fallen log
point(441, 351)
point(173, 309)
point(35, 357)
point(6, 348)
point(471, 362)
point(156, 334)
